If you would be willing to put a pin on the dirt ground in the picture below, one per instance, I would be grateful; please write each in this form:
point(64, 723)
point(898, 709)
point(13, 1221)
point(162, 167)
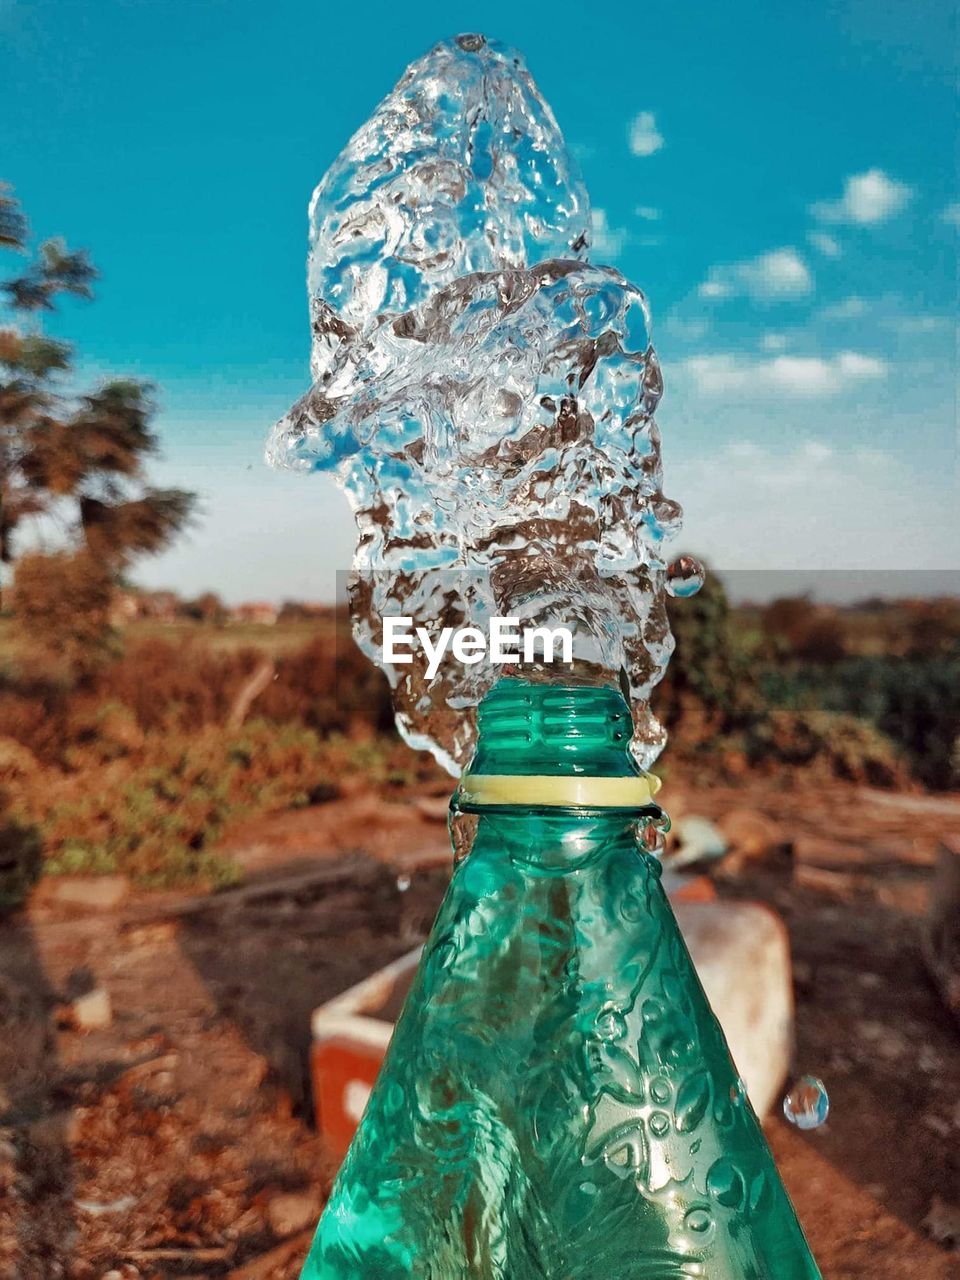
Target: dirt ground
point(177, 1141)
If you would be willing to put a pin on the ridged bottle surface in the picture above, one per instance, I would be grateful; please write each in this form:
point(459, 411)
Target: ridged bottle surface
point(558, 1101)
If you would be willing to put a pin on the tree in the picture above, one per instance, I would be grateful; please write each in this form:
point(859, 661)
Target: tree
point(786, 621)
point(62, 600)
point(710, 686)
point(72, 460)
point(208, 608)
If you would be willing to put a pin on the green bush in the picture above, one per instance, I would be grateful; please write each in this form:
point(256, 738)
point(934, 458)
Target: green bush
point(796, 627)
point(329, 686)
point(326, 685)
point(836, 744)
point(913, 701)
point(158, 686)
point(710, 686)
point(155, 815)
point(129, 767)
point(33, 715)
point(178, 685)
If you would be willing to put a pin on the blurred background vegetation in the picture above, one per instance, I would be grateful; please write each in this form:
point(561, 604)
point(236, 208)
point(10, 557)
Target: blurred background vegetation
point(138, 728)
point(186, 725)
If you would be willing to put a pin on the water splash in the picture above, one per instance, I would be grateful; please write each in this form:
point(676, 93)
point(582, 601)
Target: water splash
point(807, 1104)
point(484, 395)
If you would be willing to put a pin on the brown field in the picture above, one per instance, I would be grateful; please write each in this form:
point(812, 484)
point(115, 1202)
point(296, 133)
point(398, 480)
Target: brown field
point(176, 1139)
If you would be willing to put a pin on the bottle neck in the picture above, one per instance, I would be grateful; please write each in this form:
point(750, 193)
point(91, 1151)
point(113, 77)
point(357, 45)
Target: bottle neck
point(555, 746)
point(556, 841)
point(557, 730)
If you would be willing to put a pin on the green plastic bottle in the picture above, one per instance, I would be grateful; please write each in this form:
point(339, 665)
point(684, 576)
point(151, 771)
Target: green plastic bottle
point(558, 1101)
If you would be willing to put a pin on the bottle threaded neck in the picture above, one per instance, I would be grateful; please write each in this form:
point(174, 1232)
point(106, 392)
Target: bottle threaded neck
point(558, 730)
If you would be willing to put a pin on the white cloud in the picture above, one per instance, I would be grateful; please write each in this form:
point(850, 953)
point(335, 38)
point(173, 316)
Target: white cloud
point(868, 198)
point(797, 376)
point(825, 243)
point(606, 241)
point(687, 330)
point(852, 308)
point(645, 137)
point(812, 506)
point(782, 273)
point(951, 214)
point(648, 213)
point(816, 451)
point(773, 342)
point(914, 325)
point(247, 559)
point(779, 274)
point(854, 366)
point(889, 312)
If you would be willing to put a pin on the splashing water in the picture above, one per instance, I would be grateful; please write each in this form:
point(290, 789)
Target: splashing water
point(807, 1104)
point(483, 394)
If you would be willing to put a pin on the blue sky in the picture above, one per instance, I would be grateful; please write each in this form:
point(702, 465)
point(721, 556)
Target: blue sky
point(780, 179)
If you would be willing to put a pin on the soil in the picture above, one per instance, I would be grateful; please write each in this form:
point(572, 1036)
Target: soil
point(178, 1141)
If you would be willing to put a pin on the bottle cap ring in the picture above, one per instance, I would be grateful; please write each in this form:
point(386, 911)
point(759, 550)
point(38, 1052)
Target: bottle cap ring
point(628, 792)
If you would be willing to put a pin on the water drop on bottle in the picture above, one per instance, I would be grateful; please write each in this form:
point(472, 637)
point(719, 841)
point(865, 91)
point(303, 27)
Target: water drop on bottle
point(807, 1104)
point(685, 577)
point(463, 828)
point(652, 839)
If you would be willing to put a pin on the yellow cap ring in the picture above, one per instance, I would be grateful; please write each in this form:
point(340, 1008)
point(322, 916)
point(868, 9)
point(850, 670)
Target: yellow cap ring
point(560, 792)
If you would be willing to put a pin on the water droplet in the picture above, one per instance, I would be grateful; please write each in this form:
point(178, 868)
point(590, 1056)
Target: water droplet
point(403, 883)
point(807, 1105)
point(463, 829)
point(685, 577)
point(653, 839)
